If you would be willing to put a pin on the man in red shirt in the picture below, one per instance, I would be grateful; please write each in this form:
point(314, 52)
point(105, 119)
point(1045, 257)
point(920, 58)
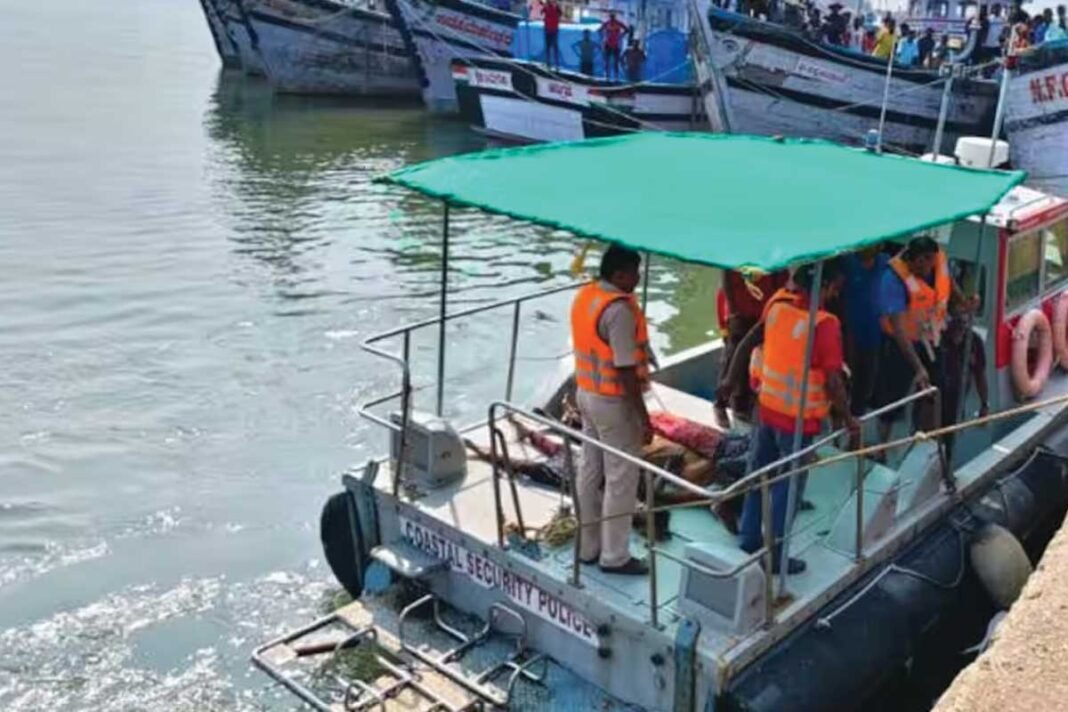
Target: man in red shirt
point(785, 337)
point(744, 308)
point(551, 17)
point(612, 30)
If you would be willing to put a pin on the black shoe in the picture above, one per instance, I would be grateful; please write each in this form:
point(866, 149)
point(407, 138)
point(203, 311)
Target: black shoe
point(793, 567)
point(588, 562)
point(806, 506)
point(632, 567)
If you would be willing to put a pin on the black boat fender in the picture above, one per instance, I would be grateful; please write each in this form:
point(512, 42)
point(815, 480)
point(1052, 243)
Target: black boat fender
point(341, 533)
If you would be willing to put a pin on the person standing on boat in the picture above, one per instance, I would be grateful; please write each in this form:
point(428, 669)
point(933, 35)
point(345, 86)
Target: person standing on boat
point(613, 31)
point(925, 48)
point(907, 49)
point(863, 274)
point(1058, 30)
point(587, 50)
point(746, 302)
point(551, 18)
point(612, 359)
point(786, 328)
point(914, 300)
point(885, 39)
point(634, 61)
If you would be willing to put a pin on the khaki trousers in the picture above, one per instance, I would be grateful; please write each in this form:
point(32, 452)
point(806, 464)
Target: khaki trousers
point(607, 485)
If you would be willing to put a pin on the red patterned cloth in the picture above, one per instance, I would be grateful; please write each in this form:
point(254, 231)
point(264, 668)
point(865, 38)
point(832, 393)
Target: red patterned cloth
point(702, 439)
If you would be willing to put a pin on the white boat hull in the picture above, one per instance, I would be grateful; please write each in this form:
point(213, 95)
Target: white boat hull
point(1036, 124)
point(763, 79)
point(439, 31)
point(324, 47)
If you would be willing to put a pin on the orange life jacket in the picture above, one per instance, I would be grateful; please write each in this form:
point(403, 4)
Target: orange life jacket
point(756, 358)
point(594, 366)
point(782, 363)
point(925, 318)
point(781, 295)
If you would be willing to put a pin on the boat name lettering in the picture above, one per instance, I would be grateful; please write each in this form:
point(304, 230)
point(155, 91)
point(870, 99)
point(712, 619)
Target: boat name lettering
point(563, 91)
point(489, 78)
point(812, 70)
point(488, 574)
point(469, 26)
point(1050, 87)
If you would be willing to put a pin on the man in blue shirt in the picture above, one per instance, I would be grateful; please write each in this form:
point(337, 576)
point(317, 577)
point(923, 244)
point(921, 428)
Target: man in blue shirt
point(863, 272)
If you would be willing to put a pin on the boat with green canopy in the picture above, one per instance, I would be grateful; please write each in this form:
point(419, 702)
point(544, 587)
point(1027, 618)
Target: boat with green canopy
point(430, 541)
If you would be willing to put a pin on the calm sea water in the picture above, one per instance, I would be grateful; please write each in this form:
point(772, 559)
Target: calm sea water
point(188, 267)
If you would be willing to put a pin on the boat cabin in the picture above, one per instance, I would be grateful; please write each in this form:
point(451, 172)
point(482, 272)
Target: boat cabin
point(709, 625)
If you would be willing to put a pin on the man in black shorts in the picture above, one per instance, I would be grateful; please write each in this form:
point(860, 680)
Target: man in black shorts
point(914, 299)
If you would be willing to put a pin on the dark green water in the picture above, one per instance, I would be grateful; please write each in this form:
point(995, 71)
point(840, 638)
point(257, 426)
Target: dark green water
point(188, 267)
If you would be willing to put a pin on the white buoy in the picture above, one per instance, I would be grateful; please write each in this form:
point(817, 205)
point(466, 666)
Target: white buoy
point(1001, 564)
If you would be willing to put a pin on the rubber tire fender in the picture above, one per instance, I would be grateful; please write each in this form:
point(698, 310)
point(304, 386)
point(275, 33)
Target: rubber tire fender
point(340, 533)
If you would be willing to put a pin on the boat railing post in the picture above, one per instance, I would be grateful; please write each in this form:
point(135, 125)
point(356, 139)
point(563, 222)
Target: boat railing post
point(794, 483)
point(576, 569)
point(943, 111)
point(886, 96)
point(512, 351)
point(769, 552)
point(498, 507)
point(650, 543)
point(858, 554)
point(406, 397)
point(442, 306)
point(645, 282)
point(1003, 90)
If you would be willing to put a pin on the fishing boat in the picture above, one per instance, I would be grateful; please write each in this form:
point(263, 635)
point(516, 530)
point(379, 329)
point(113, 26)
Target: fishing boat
point(235, 40)
point(225, 45)
point(522, 99)
point(763, 78)
point(331, 47)
point(1036, 115)
point(438, 31)
point(462, 605)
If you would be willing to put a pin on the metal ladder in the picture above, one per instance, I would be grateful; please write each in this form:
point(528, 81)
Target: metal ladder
point(406, 670)
point(519, 662)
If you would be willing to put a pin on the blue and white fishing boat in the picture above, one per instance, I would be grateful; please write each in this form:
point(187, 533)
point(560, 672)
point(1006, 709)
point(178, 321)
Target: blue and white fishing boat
point(1036, 115)
point(234, 38)
point(331, 47)
point(522, 99)
point(439, 31)
point(763, 78)
point(462, 606)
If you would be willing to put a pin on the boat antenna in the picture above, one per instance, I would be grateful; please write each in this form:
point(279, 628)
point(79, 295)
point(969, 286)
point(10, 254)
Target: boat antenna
point(1007, 63)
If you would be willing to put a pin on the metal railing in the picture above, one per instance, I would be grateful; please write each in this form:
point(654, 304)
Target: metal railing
point(761, 478)
point(758, 479)
point(403, 362)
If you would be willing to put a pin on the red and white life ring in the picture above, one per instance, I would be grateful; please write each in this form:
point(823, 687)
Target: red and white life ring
point(1028, 382)
point(1060, 329)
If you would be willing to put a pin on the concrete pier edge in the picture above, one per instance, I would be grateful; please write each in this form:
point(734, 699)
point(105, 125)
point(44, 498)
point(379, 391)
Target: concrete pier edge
point(1026, 667)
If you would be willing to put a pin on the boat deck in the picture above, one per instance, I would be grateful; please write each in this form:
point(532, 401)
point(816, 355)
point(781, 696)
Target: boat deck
point(468, 506)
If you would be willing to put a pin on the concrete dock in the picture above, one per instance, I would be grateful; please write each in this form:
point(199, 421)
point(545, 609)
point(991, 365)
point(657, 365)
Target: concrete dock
point(1026, 667)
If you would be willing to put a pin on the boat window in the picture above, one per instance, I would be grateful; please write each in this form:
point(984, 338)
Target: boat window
point(1023, 270)
point(964, 274)
point(1054, 254)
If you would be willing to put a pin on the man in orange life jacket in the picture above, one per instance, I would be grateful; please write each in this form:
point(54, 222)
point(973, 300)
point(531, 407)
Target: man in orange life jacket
point(612, 360)
point(782, 363)
point(914, 299)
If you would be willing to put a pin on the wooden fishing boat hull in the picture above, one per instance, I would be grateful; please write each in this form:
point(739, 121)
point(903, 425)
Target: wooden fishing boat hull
point(237, 37)
point(325, 47)
point(228, 51)
point(764, 79)
point(523, 101)
point(1036, 117)
point(438, 31)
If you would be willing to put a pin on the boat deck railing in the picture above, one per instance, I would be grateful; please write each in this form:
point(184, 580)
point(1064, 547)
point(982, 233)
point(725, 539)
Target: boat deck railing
point(373, 345)
point(760, 479)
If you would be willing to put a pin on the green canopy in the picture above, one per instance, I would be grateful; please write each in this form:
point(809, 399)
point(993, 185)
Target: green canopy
point(722, 200)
